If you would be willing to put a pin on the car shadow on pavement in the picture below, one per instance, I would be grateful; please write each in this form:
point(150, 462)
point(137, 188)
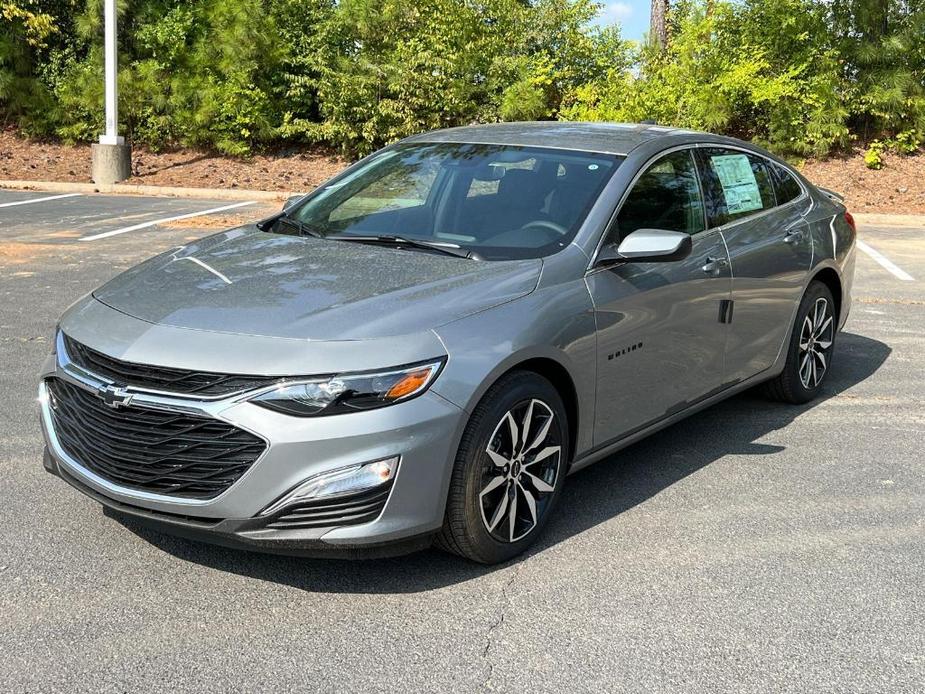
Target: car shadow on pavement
point(591, 497)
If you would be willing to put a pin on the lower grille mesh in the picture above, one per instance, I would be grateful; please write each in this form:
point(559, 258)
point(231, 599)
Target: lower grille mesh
point(350, 509)
point(150, 450)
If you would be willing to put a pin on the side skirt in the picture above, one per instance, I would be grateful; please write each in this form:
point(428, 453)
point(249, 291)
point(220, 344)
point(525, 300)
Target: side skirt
point(597, 454)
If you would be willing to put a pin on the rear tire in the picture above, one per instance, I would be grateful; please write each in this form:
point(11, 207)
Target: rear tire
point(809, 353)
point(509, 470)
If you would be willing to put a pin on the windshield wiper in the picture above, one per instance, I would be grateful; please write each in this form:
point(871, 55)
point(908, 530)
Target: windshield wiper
point(301, 227)
point(398, 241)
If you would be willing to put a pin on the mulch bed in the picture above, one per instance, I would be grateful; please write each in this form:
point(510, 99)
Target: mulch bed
point(299, 171)
point(898, 188)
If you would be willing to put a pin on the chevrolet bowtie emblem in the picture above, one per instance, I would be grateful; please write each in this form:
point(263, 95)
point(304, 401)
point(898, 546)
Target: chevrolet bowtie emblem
point(115, 397)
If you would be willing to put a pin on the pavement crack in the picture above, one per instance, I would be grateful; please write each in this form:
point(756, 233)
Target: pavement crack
point(894, 302)
point(498, 623)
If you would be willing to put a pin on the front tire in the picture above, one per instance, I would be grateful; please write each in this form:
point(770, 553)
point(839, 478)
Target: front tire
point(809, 355)
point(508, 472)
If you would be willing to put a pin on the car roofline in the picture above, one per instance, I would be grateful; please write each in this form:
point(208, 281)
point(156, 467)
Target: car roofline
point(591, 137)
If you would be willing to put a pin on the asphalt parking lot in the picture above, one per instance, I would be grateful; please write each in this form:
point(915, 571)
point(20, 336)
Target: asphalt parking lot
point(754, 547)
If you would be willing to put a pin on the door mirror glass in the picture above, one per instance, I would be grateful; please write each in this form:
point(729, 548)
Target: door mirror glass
point(655, 245)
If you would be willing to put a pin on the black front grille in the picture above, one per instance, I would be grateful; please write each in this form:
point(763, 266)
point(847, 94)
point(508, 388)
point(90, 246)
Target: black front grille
point(350, 509)
point(204, 383)
point(151, 450)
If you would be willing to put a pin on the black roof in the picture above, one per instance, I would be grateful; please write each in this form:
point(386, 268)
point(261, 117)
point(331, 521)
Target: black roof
point(612, 138)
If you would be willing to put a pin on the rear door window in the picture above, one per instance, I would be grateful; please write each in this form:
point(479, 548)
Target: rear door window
point(738, 185)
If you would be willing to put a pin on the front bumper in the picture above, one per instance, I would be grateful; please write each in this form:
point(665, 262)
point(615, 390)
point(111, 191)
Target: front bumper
point(247, 534)
point(423, 432)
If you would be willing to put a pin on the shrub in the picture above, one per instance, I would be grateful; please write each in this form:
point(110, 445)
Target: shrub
point(755, 70)
point(803, 77)
point(873, 156)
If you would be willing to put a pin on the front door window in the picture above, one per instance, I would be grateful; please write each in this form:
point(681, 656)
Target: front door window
point(666, 196)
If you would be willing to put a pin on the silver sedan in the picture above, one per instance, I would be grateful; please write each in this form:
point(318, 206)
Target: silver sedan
point(422, 349)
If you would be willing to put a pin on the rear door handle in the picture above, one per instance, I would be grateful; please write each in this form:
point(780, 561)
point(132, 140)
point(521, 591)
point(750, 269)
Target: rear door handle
point(714, 266)
point(793, 235)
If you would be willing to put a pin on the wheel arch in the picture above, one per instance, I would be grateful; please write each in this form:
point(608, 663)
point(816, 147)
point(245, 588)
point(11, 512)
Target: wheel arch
point(829, 274)
point(831, 279)
point(561, 379)
point(553, 369)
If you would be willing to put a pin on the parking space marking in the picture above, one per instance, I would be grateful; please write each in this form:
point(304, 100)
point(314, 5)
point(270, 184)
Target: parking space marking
point(885, 263)
point(143, 225)
point(32, 200)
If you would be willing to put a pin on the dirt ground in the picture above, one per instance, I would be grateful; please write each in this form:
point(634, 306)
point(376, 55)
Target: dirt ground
point(21, 159)
point(898, 188)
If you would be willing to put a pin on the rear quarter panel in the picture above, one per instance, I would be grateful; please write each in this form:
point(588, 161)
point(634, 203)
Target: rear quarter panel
point(834, 245)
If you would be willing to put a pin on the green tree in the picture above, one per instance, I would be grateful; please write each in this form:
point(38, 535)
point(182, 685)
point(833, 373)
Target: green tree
point(883, 46)
point(756, 69)
point(560, 51)
point(26, 28)
point(802, 76)
point(392, 68)
point(191, 72)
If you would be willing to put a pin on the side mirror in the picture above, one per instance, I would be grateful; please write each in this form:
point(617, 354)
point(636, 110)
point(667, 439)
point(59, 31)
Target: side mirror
point(655, 245)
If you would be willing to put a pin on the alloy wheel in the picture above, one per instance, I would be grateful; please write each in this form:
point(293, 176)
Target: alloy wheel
point(524, 456)
point(816, 336)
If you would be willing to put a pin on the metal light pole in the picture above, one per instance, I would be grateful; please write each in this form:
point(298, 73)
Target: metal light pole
point(112, 158)
point(112, 83)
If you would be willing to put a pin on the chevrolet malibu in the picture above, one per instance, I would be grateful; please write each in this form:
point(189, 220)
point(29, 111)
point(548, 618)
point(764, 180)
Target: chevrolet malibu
point(421, 350)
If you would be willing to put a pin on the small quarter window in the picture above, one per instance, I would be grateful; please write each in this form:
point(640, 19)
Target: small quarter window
point(785, 185)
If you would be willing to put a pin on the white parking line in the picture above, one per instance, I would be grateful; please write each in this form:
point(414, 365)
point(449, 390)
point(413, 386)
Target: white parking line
point(885, 263)
point(143, 225)
point(29, 202)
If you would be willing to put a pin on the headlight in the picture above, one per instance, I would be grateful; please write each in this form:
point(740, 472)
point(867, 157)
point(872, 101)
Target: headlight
point(350, 392)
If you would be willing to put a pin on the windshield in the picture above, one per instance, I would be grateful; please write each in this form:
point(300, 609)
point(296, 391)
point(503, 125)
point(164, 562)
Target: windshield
point(500, 202)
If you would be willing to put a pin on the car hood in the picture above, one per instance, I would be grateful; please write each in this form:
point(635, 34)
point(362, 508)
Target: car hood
point(250, 282)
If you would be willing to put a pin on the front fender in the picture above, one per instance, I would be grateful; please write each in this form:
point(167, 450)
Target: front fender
point(554, 323)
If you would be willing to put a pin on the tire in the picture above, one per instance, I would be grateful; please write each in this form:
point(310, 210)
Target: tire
point(809, 353)
point(500, 501)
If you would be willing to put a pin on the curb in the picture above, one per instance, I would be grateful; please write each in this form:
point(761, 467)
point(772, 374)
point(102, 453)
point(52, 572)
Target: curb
point(908, 221)
point(166, 191)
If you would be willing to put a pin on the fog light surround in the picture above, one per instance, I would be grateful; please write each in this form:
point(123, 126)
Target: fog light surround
point(340, 482)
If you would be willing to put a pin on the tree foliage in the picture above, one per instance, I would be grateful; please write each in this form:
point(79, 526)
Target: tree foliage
point(801, 76)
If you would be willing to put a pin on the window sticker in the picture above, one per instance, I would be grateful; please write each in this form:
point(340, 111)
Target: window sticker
point(738, 181)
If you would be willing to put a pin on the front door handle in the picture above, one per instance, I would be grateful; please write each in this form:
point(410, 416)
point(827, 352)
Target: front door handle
point(714, 266)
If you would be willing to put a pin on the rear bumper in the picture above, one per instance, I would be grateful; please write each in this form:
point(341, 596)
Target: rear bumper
point(847, 279)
